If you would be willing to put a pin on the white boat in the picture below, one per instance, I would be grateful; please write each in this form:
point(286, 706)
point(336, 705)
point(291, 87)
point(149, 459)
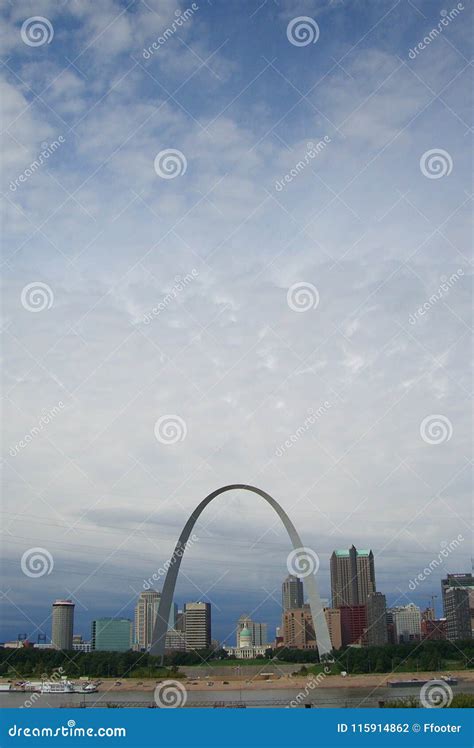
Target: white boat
point(62, 686)
point(5, 686)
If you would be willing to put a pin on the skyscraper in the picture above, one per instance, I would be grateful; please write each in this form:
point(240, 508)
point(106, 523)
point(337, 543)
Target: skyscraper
point(458, 602)
point(292, 593)
point(406, 623)
point(455, 580)
point(146, 611)
point(62, 624)
point(376, 619)
point(197, 624)
point(111, 634)
point(352, 577)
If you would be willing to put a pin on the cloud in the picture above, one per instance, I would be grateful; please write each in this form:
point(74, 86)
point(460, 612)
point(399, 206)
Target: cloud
point(226, 353)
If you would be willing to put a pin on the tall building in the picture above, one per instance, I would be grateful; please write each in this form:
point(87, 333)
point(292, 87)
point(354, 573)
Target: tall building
point(175, 641)
point(197, 625)
point(62, 624)
point(292, 593)
point(258, 631)
point(435, 629)
point(406, 623)
point(146, 611)
point(298, 629)
point(459, 605)
point(377, 634)
point(333, 619)
point(352, 577)
point(111, 634)
point(353, 624)
point(455, 580)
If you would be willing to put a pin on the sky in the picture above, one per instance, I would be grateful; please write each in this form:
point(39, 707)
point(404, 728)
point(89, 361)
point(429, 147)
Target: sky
point(244, 258)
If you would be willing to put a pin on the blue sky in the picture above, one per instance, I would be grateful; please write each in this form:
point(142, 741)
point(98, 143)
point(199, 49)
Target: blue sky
point(176, 296)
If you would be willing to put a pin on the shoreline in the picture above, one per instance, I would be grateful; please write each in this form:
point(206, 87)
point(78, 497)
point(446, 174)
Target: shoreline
point(232, 683)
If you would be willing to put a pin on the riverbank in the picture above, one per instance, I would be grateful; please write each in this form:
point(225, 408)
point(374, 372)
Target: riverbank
point(373, 680)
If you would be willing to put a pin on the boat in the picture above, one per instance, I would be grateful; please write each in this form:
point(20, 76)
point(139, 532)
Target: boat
point(5, 686)
point(450, 681)
point(51, 687)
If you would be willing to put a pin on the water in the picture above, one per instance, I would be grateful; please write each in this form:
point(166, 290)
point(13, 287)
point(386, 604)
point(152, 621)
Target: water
point(277, 698)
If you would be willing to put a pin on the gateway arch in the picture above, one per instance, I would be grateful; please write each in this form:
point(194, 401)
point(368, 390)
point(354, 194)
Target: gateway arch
point(161, 624)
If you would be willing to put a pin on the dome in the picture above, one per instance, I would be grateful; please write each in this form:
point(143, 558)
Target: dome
point(245, 637)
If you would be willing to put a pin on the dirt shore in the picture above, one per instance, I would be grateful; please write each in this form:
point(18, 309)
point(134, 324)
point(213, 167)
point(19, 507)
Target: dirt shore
point(283, 682)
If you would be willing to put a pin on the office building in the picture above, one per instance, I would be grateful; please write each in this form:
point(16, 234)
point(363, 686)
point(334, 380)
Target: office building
point(298, 629)
point(353, 624)
point(459, 606)
point(62, 626)
point(146, 611)
point(79, 645)
point(111, 634)
point(377, 634)
point(455, 580)
point(292, 593)
point(175, 641)
point(197, 625)
point(258, 631)
point(406, 624)
point(333, 619)
point(352, 577)
point(434, 629)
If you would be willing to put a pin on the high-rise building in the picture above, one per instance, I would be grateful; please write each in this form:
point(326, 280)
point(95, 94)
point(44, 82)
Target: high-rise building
point(377, 634)
point(175, 641)
point(353, 624)
point(197, 625)
point(352, 577)
point(455, 580)
point(62, 624)
point(406, 623)
point(459, 605)
point(298, 629)
point(292, 593)
point(146, 611)
point(333, 619)
point(434, 629)
point(258, 631)
point(111, 634)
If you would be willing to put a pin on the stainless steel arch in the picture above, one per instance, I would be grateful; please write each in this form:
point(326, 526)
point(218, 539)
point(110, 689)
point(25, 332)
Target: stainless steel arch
point(161, 625)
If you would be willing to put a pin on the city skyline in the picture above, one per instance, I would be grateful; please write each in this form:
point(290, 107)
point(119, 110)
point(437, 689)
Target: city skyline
point(149, 600)
point(241, 258)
